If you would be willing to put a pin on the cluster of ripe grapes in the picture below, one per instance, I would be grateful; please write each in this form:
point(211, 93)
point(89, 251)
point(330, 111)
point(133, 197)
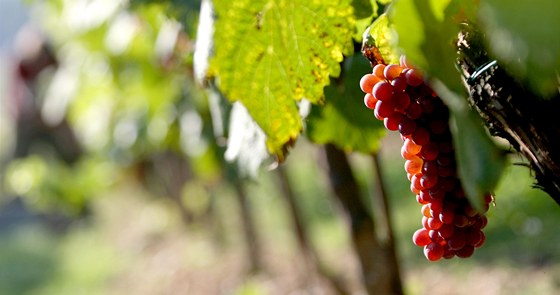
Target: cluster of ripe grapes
point(400, 98)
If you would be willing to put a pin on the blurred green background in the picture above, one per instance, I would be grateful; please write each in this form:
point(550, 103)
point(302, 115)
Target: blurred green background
point(135, 242)
point(113, 183)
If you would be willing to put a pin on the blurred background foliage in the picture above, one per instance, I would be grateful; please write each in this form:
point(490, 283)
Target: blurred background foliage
point(114, 180)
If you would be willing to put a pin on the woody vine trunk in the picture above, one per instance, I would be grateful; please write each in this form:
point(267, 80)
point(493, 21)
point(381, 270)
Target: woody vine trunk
point(512, 111)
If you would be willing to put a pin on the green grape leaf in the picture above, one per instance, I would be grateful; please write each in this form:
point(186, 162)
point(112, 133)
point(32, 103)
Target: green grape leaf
point(480, 161)
point(427, 31)
point(344, 120)
point(364, 12)
point(270, 54)
point(382, 35)
point(364, 8)
point(525, 37)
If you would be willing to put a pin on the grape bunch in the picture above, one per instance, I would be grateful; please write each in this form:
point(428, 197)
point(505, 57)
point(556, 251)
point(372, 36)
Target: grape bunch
point(400, 98)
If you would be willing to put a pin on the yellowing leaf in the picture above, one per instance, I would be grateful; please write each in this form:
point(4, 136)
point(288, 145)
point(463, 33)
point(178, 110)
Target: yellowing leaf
point(270, 54)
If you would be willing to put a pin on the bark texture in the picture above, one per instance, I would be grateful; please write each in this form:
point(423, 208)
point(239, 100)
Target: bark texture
point(512, 111)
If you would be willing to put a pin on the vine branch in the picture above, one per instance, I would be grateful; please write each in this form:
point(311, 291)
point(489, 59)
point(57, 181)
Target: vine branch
point(512, 111)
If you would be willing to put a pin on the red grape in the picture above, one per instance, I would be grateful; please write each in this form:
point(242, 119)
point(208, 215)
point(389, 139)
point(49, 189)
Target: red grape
point(370, 101)
point(433, 251)
point(400, 98)
point(367, 82)
point(382, 91)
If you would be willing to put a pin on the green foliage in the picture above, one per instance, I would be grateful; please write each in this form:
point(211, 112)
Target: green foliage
point(525, 37)
point(54, 186)
point(26, 259)
point(365, 9)
point(364, 12)
point(270, 54)
point(426, 35)
point(344, 120)
point(481, 163)
point(132, 95)
point(122, 83)
point(382, 35)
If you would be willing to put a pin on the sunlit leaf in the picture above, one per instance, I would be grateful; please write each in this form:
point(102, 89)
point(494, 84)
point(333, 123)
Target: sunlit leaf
point(382, 35)
point(344, 120)
point(270, 54)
